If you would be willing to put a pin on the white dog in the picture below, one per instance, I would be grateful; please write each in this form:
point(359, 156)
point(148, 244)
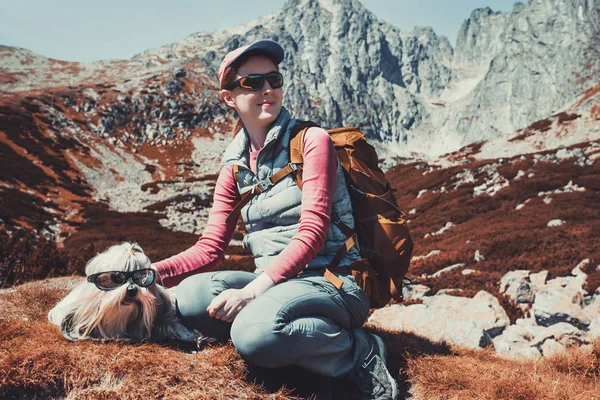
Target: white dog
point(120, 300)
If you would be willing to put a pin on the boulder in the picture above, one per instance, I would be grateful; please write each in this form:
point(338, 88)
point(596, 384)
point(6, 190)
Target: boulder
point(460, 321)
point(435, 325)
point(578, 270)
point(527, 352)
point(592, 310)
point(574, 285)
point(517, 286)
point(564, 333)
point(512, 277)
point(539, 278)
point(415, 292)
point(515, 339)
point(484, 309)
point(593, 332)
point(551, 348)
point(555, 305)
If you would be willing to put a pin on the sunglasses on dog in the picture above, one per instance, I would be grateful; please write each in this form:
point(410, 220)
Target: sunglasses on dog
point(111, 280)
point(256, 82)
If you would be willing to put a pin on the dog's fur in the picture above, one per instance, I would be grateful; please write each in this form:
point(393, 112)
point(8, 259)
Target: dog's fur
point(135, 315)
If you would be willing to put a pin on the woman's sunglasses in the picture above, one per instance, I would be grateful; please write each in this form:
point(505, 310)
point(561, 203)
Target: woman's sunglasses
point(256, 82)
point(111, 280)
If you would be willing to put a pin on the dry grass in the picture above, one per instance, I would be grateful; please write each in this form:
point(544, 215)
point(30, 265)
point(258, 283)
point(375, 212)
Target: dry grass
point(37, 362)
point(482, 375)
point(36, 359)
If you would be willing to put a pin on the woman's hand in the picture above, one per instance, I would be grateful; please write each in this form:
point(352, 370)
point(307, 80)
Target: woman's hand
point(228, 304)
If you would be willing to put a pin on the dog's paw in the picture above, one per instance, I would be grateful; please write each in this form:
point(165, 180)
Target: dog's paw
point(203, 341)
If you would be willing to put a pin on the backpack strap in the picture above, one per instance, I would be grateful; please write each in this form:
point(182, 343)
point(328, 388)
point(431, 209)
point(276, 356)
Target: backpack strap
point(297, 147)
point(294, 167)
point(258, 188)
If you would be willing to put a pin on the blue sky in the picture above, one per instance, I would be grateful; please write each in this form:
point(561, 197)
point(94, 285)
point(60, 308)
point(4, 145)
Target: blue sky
point(80, 30)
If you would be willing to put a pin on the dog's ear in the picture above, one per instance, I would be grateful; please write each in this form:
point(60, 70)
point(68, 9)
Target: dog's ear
point(66, 328)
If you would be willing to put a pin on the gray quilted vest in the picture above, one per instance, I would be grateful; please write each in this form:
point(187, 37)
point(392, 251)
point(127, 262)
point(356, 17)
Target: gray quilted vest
point(273, 217)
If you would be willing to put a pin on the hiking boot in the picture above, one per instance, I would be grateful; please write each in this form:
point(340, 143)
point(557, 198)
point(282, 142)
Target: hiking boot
point(373, 379)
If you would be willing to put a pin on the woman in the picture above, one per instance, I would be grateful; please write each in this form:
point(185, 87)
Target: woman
point(275, 316)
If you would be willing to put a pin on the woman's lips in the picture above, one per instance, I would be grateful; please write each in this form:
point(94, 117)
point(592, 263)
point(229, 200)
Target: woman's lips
point(267, 104)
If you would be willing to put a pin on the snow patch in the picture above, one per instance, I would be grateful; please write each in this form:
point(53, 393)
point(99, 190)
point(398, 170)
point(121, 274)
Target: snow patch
point(568, 188)
point(519, 175)
point(430, 254)
point(478, 256)
point(447, 269)
point(441, 230)
point(555, 222)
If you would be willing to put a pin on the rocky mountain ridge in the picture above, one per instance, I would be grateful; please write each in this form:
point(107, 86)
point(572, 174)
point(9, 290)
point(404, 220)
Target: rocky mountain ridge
point(410, 90)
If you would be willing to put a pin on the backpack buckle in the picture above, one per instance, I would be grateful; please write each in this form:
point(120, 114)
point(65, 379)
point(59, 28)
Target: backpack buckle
point(294, 167)
point(259, 188)
point(335, 218)
point(264, 184)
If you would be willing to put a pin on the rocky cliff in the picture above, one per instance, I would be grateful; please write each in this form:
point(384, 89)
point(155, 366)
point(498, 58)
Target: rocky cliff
point(411, 89)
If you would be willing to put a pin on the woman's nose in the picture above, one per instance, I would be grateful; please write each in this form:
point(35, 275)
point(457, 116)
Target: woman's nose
point(267, 87)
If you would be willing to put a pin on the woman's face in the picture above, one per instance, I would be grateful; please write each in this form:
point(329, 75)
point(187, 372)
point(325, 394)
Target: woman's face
point(259, 107)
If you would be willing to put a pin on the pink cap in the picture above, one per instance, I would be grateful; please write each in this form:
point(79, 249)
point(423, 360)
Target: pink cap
point(268, 47)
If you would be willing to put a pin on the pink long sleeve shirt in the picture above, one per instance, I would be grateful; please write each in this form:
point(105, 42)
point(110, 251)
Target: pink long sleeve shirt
point(318, 177)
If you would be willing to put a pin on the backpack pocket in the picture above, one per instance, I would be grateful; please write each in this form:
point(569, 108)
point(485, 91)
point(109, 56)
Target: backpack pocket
point(368, 279)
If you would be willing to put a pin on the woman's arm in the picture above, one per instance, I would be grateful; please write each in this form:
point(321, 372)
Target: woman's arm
point(318, 186)
point(209, 249)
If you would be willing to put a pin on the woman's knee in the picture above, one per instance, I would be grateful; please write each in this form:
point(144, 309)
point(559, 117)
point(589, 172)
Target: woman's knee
point(258, 343)
point(193, 295)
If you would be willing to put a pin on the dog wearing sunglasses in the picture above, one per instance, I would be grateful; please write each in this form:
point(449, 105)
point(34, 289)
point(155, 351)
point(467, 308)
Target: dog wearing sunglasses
point(120, 300)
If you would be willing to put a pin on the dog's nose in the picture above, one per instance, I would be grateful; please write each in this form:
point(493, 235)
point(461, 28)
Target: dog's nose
point(132, 290)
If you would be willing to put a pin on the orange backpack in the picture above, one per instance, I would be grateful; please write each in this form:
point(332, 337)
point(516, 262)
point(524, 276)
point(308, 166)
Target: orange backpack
point(383, 238)
point(380, 226)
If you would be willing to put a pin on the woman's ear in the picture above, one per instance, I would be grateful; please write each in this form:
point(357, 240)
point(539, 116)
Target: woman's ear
point(228, 98)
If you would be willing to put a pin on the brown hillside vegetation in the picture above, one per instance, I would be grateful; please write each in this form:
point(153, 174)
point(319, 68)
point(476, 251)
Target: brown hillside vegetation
point(507, 237)
point(37, 362)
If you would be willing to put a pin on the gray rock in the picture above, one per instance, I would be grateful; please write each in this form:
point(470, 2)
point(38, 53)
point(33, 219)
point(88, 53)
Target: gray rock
point(415, 292)
point(512, 277)
point(552, 306)
point(526, 353)
point(437, 325)
point(539, 278)
point(562, 332)
point(592, 309)
point(517, 286)
point(574, 285)
point(594, 329)
point(578, 270)
point(551, 348)
point(484, 309)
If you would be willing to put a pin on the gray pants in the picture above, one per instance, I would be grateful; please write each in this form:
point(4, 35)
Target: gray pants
point(303, 321)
